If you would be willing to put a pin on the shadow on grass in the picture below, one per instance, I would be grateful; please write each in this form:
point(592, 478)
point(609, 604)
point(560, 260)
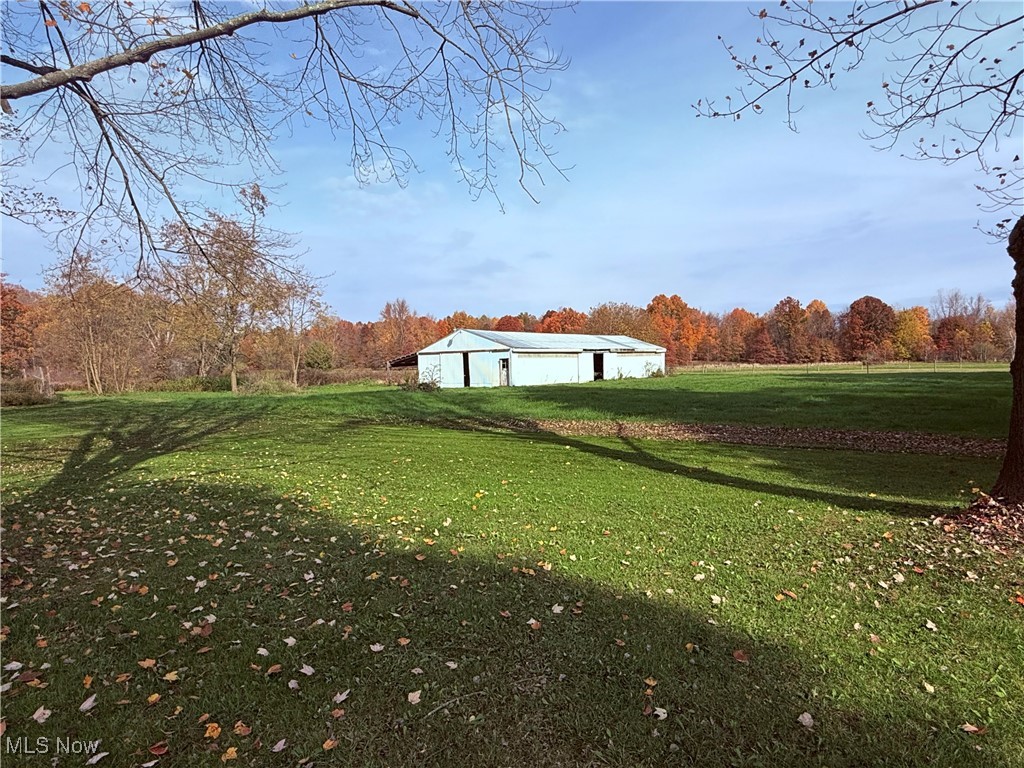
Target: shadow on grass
point(585, 688)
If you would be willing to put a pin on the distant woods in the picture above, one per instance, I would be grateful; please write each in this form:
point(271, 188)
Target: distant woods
point(87, 329)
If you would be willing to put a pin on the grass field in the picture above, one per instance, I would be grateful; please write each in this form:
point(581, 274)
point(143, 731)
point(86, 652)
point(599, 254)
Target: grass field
point(222, 574)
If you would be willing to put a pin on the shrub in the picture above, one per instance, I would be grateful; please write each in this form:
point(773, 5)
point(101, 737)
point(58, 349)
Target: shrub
point(23, 392)
point(194, 384)
point(319, 356)
point(267, 384)
point(310, 377)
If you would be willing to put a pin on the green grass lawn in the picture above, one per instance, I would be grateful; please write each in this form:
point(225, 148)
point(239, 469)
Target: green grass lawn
point(184, 559)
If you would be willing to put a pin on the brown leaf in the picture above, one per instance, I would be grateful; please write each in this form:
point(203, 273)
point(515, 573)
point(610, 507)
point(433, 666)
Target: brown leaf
point(160, 748)
point(147, 663)
point(404, 641)
point(273, 669)
point(741, 656)
point(242, 729)
point(330, 744)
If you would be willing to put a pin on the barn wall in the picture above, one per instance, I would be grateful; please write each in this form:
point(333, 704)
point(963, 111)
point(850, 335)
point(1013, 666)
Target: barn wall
point(544, 368)
point(586, 366)
point(451, 370)
point(483, 368)
point(632, 365)
point(429, 368)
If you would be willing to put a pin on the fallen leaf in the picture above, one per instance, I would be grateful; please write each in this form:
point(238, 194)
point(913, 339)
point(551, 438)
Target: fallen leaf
point(171, 677)
point(741, 656)
point(273, 669)
point(377, 647)
point(660, 713)
point(806, 720)
point(262, 652)
point(928, 687)
point(451, 664)
point(973, 729)
point(340, 697)
point(160, 748)
point(534, 624)
point(290, 641)
point(41, 715)
point(212, 731)
point(307, 670)
point(231, 753)
point(279, 746)
point(930, 625)
point(87, 681)
point(330, 744)
point(505, 614)
point(153, 698)
point(242, 729)
point(556, 608)
point(414, 697)
point(293, 685)
point(88, 704)
point(404, 641)
point(147, 663)
point(337, 713)
point(651, 682)
point(96, 758)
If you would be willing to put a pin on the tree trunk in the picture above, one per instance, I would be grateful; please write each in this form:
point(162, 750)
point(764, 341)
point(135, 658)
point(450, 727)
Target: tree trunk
point(1010, 483)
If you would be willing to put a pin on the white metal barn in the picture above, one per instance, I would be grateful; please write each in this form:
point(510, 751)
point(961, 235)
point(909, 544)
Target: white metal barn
point(468, 358)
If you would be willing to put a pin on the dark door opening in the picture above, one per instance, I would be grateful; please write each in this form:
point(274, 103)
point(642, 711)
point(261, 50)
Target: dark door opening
point(598, 366)
point(503, 372)
point(465, 369)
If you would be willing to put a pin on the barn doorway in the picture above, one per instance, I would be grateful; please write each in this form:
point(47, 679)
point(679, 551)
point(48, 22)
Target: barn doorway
point(465, 369)
point(598, 366)
point(503, 372)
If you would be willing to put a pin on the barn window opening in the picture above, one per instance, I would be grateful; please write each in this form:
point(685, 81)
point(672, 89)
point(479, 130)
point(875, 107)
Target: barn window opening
point(465, 369)
point(598, 366)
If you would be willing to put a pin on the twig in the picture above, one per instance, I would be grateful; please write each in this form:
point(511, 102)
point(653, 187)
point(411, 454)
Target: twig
point(450, 702)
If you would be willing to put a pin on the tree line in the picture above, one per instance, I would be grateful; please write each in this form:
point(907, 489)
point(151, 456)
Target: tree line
point(224, 311)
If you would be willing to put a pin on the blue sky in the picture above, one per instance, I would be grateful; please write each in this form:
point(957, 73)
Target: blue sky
point(723, 213)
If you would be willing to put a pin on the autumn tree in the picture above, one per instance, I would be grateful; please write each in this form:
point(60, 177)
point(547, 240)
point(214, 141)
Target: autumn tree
point(955, 92)
point(300, 305)
point(509, 323)
point(230, 277)
point(17, 330)
point(865, 330)
point(564, 320)
point(95, 325)
point(147, 96)
point(733, 331)
point(911, 336)
point(787, 326)
point(621, 319)
point(822, 333)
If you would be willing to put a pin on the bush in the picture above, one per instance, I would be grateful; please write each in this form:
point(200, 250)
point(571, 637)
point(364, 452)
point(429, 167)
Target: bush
point(310, 377)
point(319, 356)
point(194, 384)
point(267, 384)
point(23, 392)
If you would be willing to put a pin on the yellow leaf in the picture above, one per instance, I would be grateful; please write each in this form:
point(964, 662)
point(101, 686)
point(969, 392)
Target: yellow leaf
point(231, 753)
point(87, 681)
point(212, 731)
point(147, 663)
point(171, 677)
point(330, 744)
point(153, 698)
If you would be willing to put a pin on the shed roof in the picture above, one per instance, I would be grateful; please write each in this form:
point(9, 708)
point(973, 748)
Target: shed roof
point(560, 342)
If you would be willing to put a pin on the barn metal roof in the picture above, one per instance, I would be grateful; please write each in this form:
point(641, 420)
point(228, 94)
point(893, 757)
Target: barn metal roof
point(551, 342)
